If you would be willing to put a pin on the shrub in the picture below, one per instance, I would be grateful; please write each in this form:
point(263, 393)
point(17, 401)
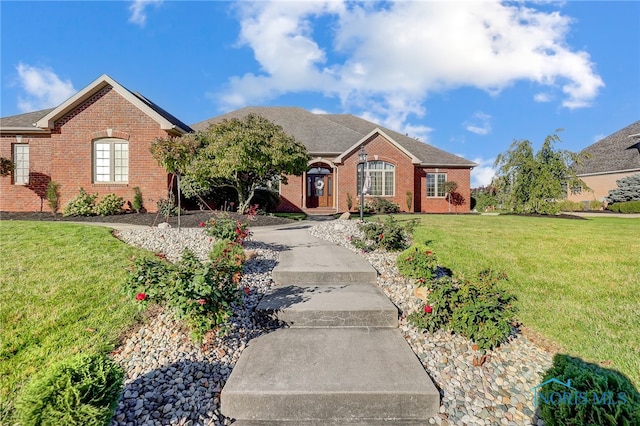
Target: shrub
point(223, 227)
point(137, 204)
point(409, 200)
point(389, 235)
point(109, 205)
point(382, 206)
point(349, 202)
point(53, 196)
point(81, 205)
point(475, 308)
point(570, 206)
point(599, 396)
point(625, 207)
point(82, 390)
point(267, 200)
point(6, 166)
point(418, 262)
point(168, 207)
point(199, 293)
point(595, 205)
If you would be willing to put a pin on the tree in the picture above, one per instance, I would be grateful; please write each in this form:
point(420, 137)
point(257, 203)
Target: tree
point(6, 166)
point(529, 182)
point(449, 189)
point(628, 190)
point(174, 154)
point(243, 154)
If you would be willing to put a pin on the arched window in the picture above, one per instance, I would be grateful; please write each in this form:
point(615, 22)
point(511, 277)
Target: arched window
point(110, 160)
point(383, 178)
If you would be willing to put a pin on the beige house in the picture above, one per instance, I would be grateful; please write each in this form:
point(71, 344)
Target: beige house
point(608, 160)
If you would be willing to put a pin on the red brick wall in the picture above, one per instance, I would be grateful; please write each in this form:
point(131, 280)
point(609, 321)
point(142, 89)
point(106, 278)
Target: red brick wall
point(439, 204)
point(66, 155)
point(378, 148)
point(291, 195)
point(408, 177)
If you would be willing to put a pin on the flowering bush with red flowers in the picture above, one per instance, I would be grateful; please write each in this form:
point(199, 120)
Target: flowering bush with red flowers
point(388, 235)
point(475, 308)
point(199, 293)
point(223, 227)
point(419, 262)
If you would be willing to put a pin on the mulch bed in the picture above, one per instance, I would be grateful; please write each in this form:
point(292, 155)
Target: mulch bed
point(190, 219)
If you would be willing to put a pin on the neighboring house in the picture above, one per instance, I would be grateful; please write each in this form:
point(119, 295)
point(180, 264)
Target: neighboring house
point(98, 139)
point(397, 164)
point(608, 160)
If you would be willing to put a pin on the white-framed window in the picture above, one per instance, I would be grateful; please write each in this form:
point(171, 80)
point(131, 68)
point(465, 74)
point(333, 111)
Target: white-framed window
point(435, 184)
point(110, 161)
point(21, 164)
point(382, 176)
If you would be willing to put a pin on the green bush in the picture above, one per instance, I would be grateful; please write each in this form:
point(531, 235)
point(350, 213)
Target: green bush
point(389, 235)
point(625, 207)
point(137, 205)
point(223, 227)
point(382, 206)
point(570, 206)
point(477, 309)
point(53, 196)
point(598, 396)
point(595, 205)
point(168, 207)
point(81, 205)
point(267, 200)
point(109, 205)
point(199, 293)
point(418, 262)
point(82, 390)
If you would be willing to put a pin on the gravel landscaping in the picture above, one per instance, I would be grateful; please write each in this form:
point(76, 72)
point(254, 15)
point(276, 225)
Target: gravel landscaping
point(171, 380)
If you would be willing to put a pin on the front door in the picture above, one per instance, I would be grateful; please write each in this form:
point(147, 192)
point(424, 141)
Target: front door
point(319, 190)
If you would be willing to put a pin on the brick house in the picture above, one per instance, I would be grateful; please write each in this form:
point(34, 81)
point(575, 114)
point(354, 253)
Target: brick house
point(397, 164)
point(98, 139)
point(608, 160)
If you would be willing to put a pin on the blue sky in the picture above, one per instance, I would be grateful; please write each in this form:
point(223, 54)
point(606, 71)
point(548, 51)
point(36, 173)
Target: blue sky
point(468, 77)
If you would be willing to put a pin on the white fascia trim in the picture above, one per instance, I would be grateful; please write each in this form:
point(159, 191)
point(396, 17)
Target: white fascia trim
point(23, 130)
point(48, 121)
point(339, 159)
point(612, 172)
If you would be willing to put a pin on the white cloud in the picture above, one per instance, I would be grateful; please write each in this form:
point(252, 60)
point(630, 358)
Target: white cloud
point(480, 124)
point(138, 10)
point(393, 55)
point(543, 97)
point(482, 174)
point(42, 87)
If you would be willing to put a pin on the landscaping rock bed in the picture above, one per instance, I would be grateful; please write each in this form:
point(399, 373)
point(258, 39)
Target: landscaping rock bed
point(171, 380)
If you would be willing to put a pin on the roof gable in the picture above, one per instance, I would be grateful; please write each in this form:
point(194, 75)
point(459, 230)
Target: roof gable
point(340, 134)
point(617, 152)
point(163, 118)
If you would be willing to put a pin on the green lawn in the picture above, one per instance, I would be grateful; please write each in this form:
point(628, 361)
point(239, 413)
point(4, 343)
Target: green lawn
point(59, 295)
point(577, 281)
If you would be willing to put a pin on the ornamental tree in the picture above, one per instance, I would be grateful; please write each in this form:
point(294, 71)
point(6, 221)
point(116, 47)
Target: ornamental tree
point(628, 190)
point(243, 154)
point(6, 166)
point(532, 182)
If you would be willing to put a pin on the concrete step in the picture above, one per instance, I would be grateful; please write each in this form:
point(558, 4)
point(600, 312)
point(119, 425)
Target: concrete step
point(322, 265)
point(329, 376)
point(345, 305)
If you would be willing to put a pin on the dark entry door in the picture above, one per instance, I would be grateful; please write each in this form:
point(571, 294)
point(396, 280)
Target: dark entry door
point(320, 191)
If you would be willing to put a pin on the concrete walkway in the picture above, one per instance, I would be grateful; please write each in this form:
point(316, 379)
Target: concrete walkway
point(340, 358)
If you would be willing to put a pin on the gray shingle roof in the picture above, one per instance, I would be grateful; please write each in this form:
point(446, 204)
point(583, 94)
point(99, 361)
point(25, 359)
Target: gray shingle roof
point(24, 120)
point(336, 133)
point(616, 152)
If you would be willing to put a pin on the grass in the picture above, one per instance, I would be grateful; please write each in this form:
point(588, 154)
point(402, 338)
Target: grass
point(292, 216)
point(577, 281)
point(59, 295)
